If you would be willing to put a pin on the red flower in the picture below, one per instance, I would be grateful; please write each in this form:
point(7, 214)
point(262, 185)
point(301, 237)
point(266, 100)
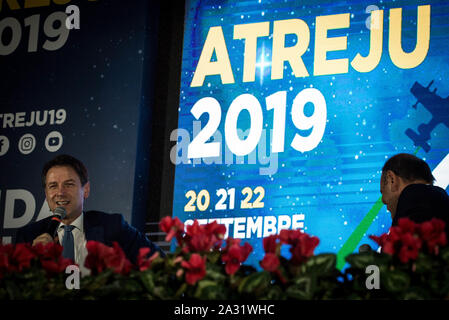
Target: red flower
point(406, 239)
point(15, 258)
point(50, 256)
point(101, 257)
point(119, 263)
point(173, 228)
point(302, 244)
point(410, 247)
point(22, 256)
point(270, 244)
point(197, 239)
point(290, 236)
point(433, 233)
point(97, 253)
point(5, 254)
point(216, 231)
point(51, 250)
point(270, 262)
point(56, 266)
point(202, 238)
point(234, 255)
point(143, 262)
point(386, 244)
point(303, 249)
point(195, 268)
point(406, 225)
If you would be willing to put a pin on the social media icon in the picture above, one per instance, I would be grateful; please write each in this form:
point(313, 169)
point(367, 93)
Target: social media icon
point(4, 145)
point(27, 143)
point(53, 141)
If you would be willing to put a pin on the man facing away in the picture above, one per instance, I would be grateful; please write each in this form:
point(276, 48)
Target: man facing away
point(66, 184)
point(407, 189)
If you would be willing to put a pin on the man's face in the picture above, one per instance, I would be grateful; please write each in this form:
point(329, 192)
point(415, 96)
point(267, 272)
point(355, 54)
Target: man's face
point(63, 189)
point(387, 187)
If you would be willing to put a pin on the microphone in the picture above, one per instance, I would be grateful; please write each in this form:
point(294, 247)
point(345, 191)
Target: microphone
point(59, 214)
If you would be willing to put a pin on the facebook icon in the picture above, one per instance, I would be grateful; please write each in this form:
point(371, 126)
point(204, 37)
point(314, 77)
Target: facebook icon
point(4, 145)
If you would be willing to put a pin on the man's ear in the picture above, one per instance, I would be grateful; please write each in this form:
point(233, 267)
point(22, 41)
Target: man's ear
point(394, 180)
point(86, 188)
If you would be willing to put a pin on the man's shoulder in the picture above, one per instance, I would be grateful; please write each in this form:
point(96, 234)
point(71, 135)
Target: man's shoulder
point(99, 217)
point(425, 191)
point(421, 202)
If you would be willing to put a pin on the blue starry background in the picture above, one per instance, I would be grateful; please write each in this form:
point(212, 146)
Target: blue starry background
point(337, 183)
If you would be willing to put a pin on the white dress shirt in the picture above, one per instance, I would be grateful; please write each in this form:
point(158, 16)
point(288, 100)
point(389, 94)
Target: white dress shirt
point(79, 239)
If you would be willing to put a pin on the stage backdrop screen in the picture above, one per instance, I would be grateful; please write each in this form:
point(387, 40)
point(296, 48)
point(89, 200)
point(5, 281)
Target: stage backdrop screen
point(289, 109)
point(74, 78)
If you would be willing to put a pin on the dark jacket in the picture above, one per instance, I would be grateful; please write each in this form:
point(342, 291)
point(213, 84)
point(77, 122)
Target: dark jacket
point(101, 227)
point(421, 202)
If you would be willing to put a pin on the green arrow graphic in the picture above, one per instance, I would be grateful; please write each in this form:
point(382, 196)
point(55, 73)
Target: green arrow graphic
point(354, 239)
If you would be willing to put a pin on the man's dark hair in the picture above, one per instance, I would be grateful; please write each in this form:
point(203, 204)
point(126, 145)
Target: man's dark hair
point(65, 160)
point(409, 168)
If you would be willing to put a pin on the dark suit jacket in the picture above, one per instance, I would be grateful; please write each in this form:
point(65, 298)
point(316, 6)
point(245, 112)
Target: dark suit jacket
point(101, 227)
point(421, 202)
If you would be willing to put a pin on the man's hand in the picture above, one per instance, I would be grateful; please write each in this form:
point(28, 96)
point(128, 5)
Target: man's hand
point(44, 239)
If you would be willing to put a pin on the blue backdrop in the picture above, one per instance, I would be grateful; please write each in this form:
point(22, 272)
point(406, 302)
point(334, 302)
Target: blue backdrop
point(278, 84)
point(78, 91)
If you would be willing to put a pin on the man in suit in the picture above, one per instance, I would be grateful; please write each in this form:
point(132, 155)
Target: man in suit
point(407, 189)
point(66, 183)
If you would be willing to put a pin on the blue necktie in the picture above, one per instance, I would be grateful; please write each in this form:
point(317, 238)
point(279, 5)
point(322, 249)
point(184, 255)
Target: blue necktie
point(68, 245)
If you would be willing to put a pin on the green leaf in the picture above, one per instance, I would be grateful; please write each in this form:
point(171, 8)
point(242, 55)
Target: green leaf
point(322, 263)
point(162, 292)
point(444, 253)
point(111, 289)
point(434, 282)
point(395, 281)
point(255, 282)
point(3, 293)
point(147, 280)
point(13, 290)
point(100, 278)
point(364, 259)
point(128, 286)
point(275, 293)
point(209, 290)
point(416, 294)
point(160, 263)
point(182, 289)
point(216, 273)
point(214, 256)
point(425, 264)
point(303, 288)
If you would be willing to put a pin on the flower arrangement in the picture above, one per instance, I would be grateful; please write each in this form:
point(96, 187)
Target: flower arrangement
point(413, 264)
point(25, 271)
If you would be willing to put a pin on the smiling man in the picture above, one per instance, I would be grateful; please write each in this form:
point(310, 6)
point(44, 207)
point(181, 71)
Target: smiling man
point(66, 184)
point(67, 187)
point(406, 185)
